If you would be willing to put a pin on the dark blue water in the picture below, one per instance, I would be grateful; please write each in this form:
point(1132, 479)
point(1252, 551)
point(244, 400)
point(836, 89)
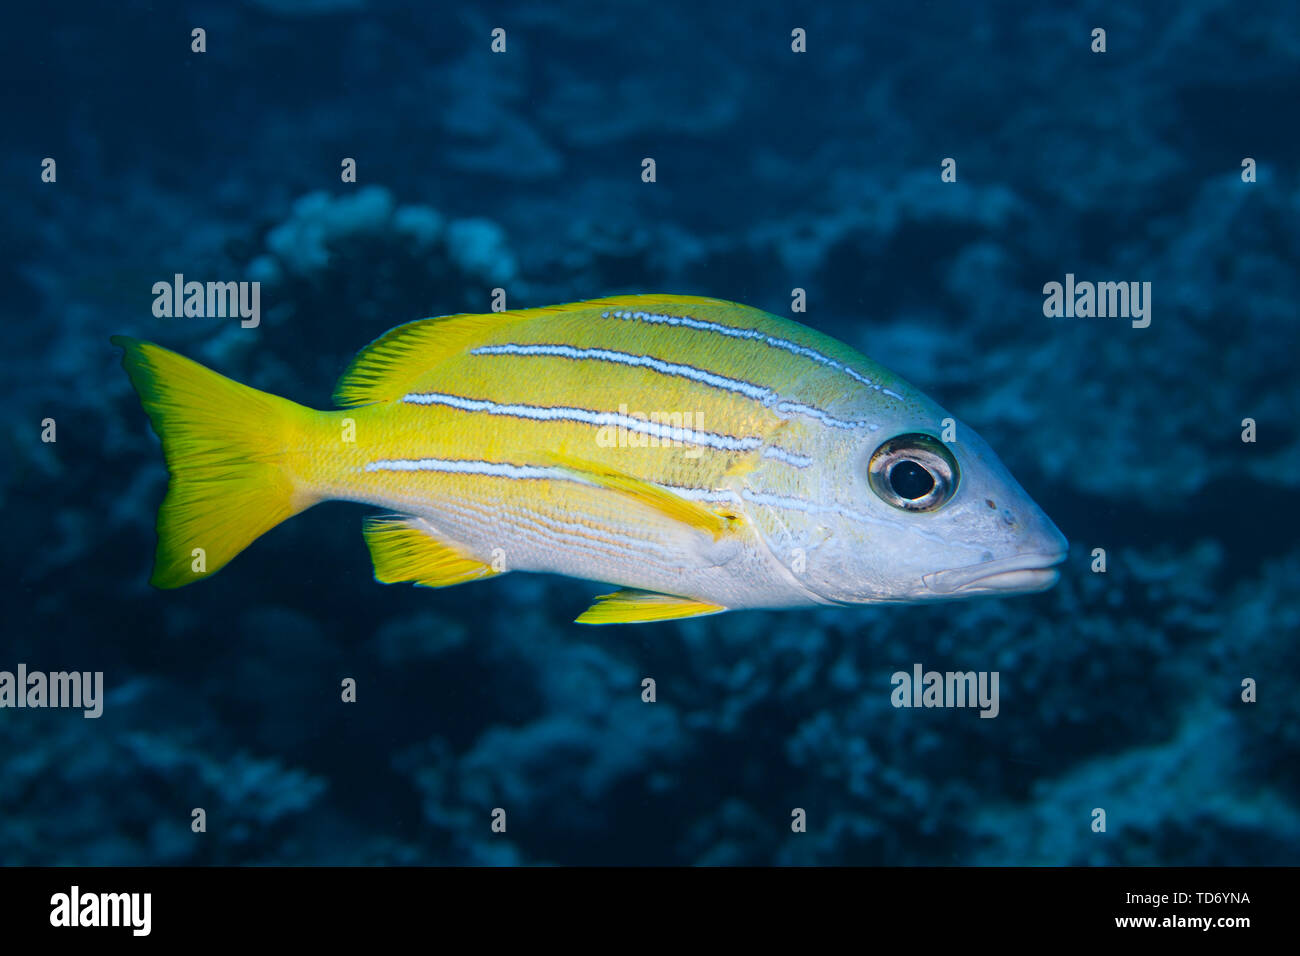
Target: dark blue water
point(823, 170)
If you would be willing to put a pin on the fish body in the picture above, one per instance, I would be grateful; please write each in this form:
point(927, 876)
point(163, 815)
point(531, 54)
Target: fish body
point(701, 454)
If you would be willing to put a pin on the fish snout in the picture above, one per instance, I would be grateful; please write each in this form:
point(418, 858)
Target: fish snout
point(1031, 568)
point(1020, 573)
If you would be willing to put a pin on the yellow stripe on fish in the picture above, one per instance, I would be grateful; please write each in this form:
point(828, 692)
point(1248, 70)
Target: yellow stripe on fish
point(702, 454)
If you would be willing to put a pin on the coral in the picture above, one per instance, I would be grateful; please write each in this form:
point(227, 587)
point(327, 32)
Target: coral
point(521, 171)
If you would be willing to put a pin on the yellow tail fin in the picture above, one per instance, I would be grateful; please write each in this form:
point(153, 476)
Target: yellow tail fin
point(225, 446)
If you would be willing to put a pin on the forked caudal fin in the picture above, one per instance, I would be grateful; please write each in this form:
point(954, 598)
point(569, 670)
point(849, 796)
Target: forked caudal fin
point(226, 446)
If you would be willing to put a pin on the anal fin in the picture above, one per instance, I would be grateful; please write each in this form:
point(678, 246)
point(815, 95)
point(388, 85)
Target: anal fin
point(639, 607)
point(404, 549)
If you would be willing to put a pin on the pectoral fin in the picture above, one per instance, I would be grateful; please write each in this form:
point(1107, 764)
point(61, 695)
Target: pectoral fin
point(639, 607)
point(404, 549)
point(666, 502)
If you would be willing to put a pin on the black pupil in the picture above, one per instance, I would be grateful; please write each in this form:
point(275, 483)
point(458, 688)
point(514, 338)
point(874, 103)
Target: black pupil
point(909, 480)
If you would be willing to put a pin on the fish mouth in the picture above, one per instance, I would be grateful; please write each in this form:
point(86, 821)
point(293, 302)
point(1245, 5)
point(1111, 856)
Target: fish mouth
point(1034, 571)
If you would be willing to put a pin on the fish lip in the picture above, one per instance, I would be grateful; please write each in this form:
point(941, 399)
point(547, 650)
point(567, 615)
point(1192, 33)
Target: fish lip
point(1030, 571)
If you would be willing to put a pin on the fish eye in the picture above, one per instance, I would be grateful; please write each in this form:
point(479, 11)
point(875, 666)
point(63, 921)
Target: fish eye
point(913, 472)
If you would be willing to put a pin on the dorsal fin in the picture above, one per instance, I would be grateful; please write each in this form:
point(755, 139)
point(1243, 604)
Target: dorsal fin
point(384, 369)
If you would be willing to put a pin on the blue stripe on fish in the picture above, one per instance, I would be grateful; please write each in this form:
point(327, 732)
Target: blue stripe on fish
point(758, 393)
point(748, 389)
point(587, 416)
point(503, 469)
point(794, 348)
point(496, 469)
point(788, 457)
point(798, 408)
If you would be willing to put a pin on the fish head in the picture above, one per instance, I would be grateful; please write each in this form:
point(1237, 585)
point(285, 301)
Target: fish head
point(906, 517)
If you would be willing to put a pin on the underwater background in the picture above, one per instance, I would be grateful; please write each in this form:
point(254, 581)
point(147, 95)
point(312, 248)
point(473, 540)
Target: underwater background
point(775, 170)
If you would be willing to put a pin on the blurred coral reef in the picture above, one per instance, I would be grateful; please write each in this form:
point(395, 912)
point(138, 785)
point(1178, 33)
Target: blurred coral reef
point(522, 172)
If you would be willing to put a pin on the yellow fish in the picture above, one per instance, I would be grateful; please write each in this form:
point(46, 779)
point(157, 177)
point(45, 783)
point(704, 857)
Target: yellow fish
point(702, 455)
